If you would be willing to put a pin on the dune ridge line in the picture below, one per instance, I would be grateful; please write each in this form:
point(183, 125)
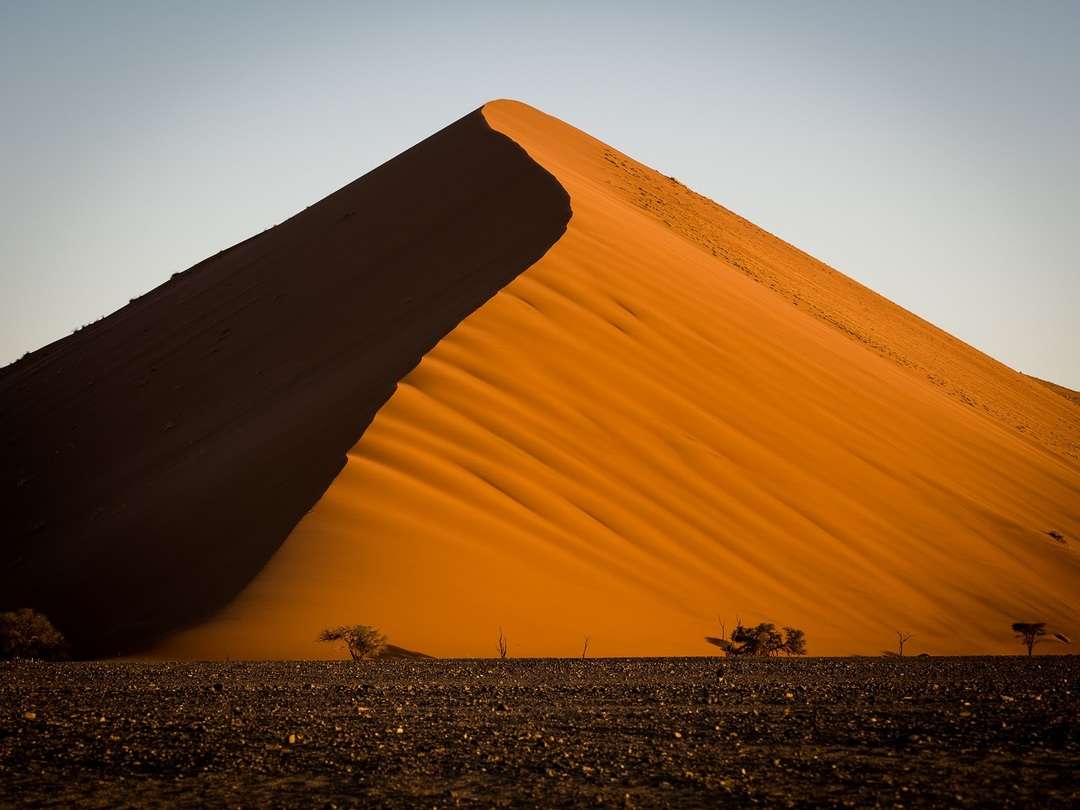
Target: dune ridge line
point(155, 460)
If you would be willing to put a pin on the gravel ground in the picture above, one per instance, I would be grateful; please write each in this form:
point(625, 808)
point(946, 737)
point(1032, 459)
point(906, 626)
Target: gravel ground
point(629, 732)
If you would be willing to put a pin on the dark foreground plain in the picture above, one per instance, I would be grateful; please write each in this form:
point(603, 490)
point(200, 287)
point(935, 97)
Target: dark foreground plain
point(629, 732)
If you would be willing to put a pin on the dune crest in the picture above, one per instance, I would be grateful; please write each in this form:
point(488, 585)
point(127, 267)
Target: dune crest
point(155, 460)
point(666, 418)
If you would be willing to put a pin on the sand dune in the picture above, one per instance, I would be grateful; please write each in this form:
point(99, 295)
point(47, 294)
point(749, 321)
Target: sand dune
point(1068, 393)
point(673, 415)
point(154, 461)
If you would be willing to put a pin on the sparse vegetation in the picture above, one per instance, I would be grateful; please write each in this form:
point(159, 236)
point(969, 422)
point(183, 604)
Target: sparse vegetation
point(585, 649)
point(503, 646)
point(764, 640)
point(363, 642)
point(1031, 633)
point(26, 633)
point(794, 641)
point(902, 638)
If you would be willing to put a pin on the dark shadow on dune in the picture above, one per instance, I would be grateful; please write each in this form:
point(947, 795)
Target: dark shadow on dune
point(154, 461)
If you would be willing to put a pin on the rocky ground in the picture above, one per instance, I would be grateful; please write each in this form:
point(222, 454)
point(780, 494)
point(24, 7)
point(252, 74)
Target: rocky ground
point(640, 732)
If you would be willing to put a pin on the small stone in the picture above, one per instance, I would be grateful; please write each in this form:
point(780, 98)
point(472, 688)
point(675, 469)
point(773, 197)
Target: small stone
point(292, 739)
point(30, 715)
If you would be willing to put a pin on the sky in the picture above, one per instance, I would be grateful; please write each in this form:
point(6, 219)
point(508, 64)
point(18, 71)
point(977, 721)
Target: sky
point(927, 150)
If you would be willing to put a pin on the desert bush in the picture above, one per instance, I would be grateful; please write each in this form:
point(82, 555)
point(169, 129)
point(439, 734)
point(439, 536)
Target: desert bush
point(764, 640)
point(362, 642)
point(26, 633)
point(794, 641)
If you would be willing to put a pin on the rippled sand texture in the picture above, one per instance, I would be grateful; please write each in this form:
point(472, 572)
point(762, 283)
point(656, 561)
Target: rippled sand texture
point(634, 436)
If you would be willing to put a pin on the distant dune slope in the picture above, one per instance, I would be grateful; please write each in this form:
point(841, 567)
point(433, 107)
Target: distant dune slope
point(925, 351)
point(634, 436)
point(154, 461)
point(1068, 393)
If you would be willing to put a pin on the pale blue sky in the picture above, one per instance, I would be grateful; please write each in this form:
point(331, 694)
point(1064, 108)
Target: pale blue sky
point(929, 151)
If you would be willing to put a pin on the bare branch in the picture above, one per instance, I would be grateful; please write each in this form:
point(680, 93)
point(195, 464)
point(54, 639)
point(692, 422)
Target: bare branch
point(504, 646)
point(902, 639)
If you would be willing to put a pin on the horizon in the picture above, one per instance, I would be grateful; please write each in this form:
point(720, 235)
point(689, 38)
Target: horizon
point(144, 142)
point(480, 418)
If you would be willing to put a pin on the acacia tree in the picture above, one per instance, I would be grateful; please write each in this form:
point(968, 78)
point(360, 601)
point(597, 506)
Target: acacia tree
point(1031, 633)
point(363, 642)
point(794, 641)
point(764, 640)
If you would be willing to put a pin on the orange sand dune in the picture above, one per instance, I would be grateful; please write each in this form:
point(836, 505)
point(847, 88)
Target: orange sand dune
point(1068, 393)
point(154, 461)
point(635, 435)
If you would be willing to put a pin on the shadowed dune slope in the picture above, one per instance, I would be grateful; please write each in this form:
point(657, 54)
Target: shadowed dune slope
point(634, 436)
point(154, 461)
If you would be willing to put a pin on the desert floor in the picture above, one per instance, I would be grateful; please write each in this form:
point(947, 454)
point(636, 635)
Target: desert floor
point(543, 732)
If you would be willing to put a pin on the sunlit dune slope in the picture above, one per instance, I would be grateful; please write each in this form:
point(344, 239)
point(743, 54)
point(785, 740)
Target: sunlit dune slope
point(634, 436)
point(1068, 393)
point(154, 461)
point(919, 347)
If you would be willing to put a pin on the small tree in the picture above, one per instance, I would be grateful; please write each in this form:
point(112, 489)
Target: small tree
point(902, 638)
point(764, 640)
point(794, 641)
point(25, 633)
point(363, 642)
point(1031, 633)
